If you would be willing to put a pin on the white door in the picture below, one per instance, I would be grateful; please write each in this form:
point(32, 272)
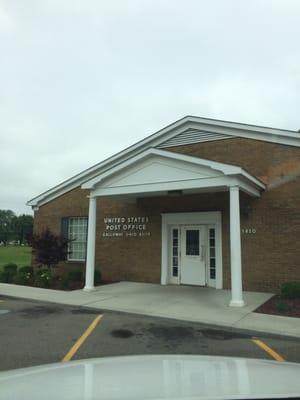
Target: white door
point(193, 246)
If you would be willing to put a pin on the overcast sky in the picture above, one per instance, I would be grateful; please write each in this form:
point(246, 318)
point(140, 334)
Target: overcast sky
point(81, 80)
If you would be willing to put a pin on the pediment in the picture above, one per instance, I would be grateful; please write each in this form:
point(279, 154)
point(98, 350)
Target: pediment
point(158, 170)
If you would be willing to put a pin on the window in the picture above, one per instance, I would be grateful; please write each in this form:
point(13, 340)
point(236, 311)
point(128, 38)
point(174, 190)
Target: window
point(175, 252)
point(192, 243)
point(77, 232)
point(212, 253)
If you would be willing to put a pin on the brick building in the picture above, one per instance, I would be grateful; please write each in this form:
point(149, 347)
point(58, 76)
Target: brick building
point(201, 202)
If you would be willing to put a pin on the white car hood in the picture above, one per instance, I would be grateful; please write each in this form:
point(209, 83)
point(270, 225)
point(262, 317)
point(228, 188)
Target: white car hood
point(153, 377)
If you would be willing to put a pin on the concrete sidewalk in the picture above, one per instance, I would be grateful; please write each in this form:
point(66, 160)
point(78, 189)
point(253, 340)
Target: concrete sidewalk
point(187, 303)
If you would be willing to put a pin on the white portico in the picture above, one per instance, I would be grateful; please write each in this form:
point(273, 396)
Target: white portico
point(156, 172)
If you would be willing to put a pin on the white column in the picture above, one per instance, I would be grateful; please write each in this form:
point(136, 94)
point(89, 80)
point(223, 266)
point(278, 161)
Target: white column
point(91, 244)
point(164, 253)
point(235, 249)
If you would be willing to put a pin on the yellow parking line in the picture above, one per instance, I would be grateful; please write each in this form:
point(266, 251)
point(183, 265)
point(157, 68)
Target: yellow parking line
point(82, 338)
point(268, 349)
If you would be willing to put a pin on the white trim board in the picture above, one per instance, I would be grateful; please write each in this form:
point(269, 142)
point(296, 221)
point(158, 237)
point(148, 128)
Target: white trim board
point(272, 135)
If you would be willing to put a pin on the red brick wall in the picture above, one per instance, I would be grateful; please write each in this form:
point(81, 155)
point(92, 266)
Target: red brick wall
point(267, 161)
point(270, 256)
point(71, 204)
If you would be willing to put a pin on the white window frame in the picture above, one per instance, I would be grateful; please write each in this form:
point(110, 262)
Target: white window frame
point(174, 279)
point(69, 257)
point(211, 282)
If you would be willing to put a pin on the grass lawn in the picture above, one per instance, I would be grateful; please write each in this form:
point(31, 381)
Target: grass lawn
point(20, 255)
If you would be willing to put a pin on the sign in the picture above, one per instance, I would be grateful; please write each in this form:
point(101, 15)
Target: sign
point(249, 231)
point(126, 227)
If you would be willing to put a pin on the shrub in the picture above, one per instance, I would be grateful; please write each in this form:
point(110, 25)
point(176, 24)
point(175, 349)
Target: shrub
point(49, 249)
point(290, 290)
point(26, 270)
point(24, 276)
point(9, 271)
point(11, 268)
point(3, 277)
point(43, 278)
point(282, 306)
point(75, 276)
point(97, 277)
point(64, 283)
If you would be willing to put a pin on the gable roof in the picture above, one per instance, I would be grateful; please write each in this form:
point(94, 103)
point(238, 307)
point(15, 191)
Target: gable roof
point(184, 131)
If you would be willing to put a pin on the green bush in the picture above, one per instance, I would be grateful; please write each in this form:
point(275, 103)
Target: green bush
point(10, 267)
point(3, 277)
point(97, 277)
point(75, 276)
point(9, 272)
point(7, 277)
point(290, 290)
point(26, 270)
point(24, 276)
point(43, 278)
point(282, 306)
point(64, 283)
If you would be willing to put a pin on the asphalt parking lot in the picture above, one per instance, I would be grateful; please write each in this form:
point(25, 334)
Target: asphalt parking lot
point(34, 333)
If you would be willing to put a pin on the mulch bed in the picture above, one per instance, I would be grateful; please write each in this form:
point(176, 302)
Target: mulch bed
point(278, 306)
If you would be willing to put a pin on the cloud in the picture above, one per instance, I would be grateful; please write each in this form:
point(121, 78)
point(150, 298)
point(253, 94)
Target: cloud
point(6, 22)
point(81, 80)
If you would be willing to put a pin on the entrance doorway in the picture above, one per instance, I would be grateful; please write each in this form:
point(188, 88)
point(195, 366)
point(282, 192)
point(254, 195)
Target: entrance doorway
point(192, 249)
point(193, 259)
point(193, 255)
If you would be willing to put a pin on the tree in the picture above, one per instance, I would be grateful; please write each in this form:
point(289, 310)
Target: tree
point(23, 226)
point(7, 218)
point(49, 249)
point(13, 227)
